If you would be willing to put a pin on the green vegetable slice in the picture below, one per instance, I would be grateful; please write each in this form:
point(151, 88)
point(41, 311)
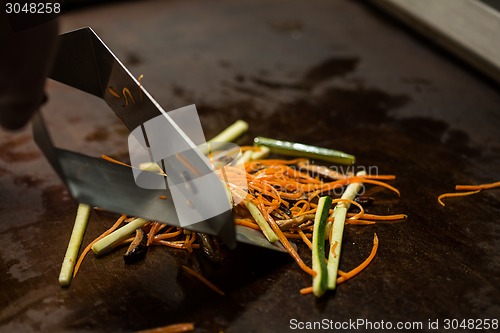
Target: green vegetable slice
point(320, 282)
point(69, 261)
point(303, 150)
point(117, 236)
point(339, 216)
point(261, 221)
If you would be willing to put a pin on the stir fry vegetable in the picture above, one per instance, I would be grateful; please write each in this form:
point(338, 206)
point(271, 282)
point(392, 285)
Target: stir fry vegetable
point(287, 200)
point(471, 189)
point(82, 217)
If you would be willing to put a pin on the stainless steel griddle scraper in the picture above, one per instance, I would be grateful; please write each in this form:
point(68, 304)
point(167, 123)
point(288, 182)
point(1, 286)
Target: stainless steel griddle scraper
point(84, 62)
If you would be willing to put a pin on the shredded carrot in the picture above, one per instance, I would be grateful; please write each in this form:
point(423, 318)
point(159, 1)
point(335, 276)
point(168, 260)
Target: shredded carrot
point(305, 239)
point(363, 265)
point(473, 189)
point(112, 160)
point(477, 187)
point(286, 195)
point(174, 328)
point(306, 290)
point(361, 209)
point(176, 245)
point(380, 217)
point(359, 222)
point(163, 197)
point(284, 241)
point(247, 223)
point(167, 235)
point(379, 177)
point(89, 247)
point(375, 182)
point(346, 276)
point(455, 194)
point(190, 238)
point(203, 280)
point(114, 93)
point(152, 232)
point(291, 235)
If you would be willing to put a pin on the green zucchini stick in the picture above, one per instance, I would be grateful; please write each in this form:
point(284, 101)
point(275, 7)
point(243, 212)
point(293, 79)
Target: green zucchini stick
point(75, 241)
point(320, 280)
point(339, 216)
point(303, 150)
point(117, 236)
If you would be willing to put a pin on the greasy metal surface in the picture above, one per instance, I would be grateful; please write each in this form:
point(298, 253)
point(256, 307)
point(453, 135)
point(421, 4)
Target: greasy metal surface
point(331, 73)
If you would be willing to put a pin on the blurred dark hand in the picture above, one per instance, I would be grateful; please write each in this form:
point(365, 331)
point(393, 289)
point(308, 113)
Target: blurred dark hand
point(25, 61)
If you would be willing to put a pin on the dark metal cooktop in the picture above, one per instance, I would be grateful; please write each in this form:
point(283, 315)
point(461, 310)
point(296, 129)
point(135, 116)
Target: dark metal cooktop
point(338, 74)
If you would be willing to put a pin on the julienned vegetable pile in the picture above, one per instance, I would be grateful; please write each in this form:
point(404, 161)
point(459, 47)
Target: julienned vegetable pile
point(288, 200)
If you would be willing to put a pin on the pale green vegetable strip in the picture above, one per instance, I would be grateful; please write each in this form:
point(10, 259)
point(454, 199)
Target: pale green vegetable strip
point(261, 221)
point(151, 167)
point(339, 216)
point(245, 157)
point(262, 153)
point(232, 132)
point(69, 261)
point(117, 236)
point(320, 280)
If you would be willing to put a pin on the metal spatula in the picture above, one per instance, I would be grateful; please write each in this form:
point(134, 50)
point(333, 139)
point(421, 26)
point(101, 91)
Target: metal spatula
point(84, 62)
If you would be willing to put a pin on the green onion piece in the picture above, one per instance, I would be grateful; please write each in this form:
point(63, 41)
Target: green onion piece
point(339, 216)
point(232, 132)
point(82, 217)
point(303, 150)
point(320, 282)
point(117, 236)
point(262, 153)
point(261, 221)
point(245, 157)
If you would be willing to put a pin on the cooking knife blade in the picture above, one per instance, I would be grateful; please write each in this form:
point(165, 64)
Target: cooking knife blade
point(84, 62)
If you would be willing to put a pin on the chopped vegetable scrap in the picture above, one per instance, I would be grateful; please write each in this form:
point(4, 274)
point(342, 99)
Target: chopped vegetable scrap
point(174, 328)
point(470, 189)
point(287, 200)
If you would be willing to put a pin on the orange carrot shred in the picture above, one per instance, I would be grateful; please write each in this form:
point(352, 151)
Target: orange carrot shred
point(363, 265)
point(112, 160)
point(477, 187)
point(284, 241)
point(305, 239)
point(346, 276)
point(89, 247)
point(174, 328)
point(455, 194)
point(202, 279)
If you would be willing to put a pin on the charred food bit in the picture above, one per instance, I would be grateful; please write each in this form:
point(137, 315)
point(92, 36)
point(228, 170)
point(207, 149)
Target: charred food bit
point(137, 249)
point(213, 248)
point(364, 201)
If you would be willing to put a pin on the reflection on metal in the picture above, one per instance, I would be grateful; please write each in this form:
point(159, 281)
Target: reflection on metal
point(85, 63)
